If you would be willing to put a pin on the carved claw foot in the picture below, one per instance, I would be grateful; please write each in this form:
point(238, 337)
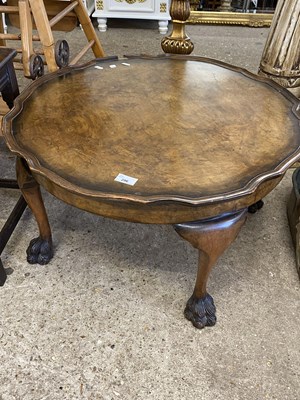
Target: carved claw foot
point(201, 312)
point(39, 251)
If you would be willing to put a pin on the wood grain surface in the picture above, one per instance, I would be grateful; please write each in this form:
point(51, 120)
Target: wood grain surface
point(182, 128)
point(191, 131)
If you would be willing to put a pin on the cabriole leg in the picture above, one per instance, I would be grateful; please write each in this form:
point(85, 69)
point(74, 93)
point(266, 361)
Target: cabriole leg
point(40, 250)
point(211, 237)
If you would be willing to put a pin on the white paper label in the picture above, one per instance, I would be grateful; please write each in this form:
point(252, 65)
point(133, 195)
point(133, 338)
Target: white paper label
point(127, 180)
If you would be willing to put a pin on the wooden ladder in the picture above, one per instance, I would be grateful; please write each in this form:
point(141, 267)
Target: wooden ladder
point(45, 15)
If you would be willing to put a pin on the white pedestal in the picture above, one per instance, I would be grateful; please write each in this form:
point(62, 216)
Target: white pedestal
point(132, 9)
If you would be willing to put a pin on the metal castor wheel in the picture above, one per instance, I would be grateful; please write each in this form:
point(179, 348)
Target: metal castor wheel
point(255, 207)
point(62, 53)
point(36, 66)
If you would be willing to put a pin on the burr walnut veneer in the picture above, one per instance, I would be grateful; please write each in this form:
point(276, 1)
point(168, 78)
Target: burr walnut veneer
point(196, 142)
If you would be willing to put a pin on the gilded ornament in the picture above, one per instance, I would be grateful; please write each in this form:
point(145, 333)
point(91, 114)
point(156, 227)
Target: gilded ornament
point(178, 42)
point(99, 4)
point(131, 1)
point(163, 7)
point(177, 46)
point(230, 18)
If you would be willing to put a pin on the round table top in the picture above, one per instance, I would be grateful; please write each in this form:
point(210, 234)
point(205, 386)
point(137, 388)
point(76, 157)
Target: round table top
point(165, 128)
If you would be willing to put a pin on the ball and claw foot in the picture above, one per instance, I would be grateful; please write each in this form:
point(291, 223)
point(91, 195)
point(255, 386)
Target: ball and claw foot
point(39, 251)
point(201, 312)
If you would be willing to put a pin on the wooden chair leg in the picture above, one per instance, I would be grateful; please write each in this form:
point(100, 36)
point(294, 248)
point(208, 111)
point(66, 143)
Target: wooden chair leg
point(40, 250)
point(88, 29)
point(2, 30)
point(26, 35)
point(45, 33)
point(211, 237)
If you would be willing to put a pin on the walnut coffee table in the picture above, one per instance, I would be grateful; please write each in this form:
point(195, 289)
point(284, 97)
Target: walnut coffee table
point(175, 140)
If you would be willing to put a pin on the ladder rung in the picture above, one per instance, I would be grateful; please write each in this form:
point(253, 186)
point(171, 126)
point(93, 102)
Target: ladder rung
point(9, 9)
point(36, 51)
point(18, 64)
point(11, 36)
point(18, 61)
point(82, 52)
point(15, 10)
point(40, 52)
point(63, 13)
